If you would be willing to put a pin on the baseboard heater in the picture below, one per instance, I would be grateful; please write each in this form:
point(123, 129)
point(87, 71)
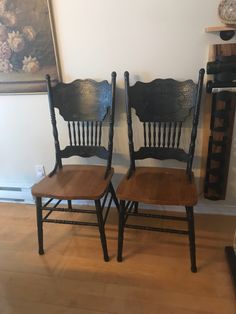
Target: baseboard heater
point(22, 194)
point(16, 194)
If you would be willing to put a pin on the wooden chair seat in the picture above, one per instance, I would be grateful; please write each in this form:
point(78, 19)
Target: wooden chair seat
point(160, 186)
point(75, 182)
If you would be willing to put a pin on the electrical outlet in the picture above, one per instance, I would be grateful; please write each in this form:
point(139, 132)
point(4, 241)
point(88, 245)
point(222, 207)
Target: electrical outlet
point(39, 171)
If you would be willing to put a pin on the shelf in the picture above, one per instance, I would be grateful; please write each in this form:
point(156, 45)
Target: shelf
point(219, 28)
point(226, 32)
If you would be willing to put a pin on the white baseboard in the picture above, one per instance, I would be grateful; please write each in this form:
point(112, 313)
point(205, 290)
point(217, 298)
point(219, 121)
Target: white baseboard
point(205, 206)
point(21, 193)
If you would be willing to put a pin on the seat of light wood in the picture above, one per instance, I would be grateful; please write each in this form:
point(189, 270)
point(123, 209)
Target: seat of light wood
point(74, 182)
point(160, 186)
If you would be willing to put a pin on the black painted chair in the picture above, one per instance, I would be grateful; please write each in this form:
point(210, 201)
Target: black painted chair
point(162, 107)
point(87, 108)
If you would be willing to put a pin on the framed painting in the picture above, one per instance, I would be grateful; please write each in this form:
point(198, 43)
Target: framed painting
point(27, 46)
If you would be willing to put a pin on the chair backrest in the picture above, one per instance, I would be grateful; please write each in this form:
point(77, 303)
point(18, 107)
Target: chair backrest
point(162, 106)
point(84, 105)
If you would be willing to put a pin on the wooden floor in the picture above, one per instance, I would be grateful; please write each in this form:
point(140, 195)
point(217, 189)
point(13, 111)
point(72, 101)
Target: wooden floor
point(72, 278)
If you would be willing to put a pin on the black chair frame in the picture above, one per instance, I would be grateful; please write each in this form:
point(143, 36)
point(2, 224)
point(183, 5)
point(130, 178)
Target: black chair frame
point(85, 134)
point(162, 132)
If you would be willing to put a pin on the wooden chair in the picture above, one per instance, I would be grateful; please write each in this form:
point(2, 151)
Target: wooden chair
point(84, 106)
point(162, 106)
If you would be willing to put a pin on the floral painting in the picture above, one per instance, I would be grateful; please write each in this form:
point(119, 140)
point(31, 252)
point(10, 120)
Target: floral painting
point(27, 46)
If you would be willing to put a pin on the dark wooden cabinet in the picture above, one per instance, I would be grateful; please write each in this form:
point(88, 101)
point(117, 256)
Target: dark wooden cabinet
point(222, 88)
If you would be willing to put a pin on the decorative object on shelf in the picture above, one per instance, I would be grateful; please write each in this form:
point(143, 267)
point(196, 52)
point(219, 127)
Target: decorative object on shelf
point(227, 12)
point(27, 46)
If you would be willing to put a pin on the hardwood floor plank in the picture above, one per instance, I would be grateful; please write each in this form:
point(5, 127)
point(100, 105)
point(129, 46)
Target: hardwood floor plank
point(72, 277)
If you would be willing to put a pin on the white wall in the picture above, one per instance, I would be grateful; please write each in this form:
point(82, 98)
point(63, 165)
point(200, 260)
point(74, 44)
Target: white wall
point(149, 38)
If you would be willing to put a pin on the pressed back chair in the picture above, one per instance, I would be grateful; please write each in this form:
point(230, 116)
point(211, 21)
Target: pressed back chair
point(162, 107)
point(85, 106)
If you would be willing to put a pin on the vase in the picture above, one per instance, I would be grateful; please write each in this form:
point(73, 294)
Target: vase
point(227, 12)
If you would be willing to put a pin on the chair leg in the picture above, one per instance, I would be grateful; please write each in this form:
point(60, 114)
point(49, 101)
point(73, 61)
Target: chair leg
point(101, 229)
point(136, 207)
point(113, 193)
point(69, 202)
point(190, 217)
point(121, 230)
point(39, 224)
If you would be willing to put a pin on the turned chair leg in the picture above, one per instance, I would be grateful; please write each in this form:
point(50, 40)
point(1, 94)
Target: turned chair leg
point(101, 229)
point(121, 230)
point(39, 224)
point(69, 202)
point(190, 217)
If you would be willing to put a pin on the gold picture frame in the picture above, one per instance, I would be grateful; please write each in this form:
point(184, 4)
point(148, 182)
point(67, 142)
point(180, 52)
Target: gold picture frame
point(28, 49)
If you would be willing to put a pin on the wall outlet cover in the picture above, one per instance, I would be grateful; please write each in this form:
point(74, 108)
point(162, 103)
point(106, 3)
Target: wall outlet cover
point(39, 171)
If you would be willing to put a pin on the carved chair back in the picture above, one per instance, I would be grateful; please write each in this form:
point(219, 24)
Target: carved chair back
point(84, 105)
point(163, 106)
